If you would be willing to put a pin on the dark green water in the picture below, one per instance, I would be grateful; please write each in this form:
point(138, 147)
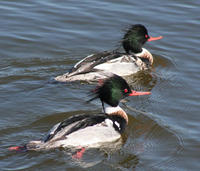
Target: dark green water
point(42, 39)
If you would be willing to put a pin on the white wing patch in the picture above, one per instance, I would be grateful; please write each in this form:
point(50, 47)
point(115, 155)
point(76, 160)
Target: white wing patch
point(52, 130)
point(117, 124)
point(107, 123)
point(82, 60)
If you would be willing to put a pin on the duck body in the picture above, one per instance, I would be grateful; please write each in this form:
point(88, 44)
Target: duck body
point(82, 131)
point(103, 64)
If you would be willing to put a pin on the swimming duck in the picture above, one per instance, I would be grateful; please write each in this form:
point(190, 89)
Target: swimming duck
point(91, 130)
point(100, 65)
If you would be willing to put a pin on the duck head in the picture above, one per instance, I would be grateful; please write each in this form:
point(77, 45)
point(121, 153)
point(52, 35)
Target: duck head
point(114, 89)
point(135, 37)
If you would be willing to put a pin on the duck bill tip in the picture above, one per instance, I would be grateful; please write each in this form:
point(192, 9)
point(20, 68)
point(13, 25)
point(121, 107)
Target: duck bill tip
point(139, 93)
point(154, 38)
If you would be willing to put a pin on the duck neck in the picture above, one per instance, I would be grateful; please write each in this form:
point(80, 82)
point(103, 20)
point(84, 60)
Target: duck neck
point(145, 54)
point(116, 111)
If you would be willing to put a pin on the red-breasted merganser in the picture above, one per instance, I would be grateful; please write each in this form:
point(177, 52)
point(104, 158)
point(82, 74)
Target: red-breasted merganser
point(91, 130)
point(100, 65)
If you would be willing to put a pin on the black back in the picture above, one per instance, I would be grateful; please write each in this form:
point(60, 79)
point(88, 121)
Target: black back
point(89, 63)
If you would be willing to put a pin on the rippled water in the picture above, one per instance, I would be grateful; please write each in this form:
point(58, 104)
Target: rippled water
point(42, 39)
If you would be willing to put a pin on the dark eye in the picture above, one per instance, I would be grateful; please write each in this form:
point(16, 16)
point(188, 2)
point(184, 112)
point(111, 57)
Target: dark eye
point(126, 90)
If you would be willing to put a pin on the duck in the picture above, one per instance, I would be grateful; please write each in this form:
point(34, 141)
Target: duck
point(91, 130)
point(99, 66)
